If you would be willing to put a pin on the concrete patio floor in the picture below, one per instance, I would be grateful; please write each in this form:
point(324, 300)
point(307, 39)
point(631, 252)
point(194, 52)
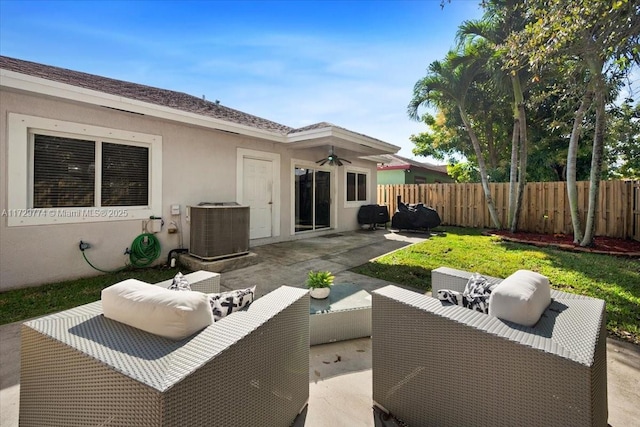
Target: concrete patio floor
point(339, 373)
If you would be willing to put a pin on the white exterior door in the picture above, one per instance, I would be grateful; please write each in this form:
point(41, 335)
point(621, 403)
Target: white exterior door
point(257, 193)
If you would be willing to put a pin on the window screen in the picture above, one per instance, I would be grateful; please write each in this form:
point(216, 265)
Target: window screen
point(351, 186)
point(356, 187)
point(125, 175)
point(64, 172)
point(362, 187)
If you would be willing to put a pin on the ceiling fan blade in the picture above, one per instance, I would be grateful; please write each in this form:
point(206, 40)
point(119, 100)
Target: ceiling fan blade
point(323, 161)
point(338, 162)
point(345, 160)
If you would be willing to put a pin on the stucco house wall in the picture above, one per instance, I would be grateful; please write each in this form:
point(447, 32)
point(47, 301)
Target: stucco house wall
point(396, 176)
point(194, 164)
point(396, 169)
point(427, 176)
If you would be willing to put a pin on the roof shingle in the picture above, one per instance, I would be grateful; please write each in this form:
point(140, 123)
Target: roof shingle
point(163, 97)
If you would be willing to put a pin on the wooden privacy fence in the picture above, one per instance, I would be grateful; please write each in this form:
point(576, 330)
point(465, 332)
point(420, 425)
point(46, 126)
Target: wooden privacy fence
point(545, 206)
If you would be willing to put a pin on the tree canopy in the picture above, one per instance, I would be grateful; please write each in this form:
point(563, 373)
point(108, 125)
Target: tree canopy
point(529, 85)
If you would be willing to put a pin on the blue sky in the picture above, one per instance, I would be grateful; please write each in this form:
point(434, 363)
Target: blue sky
point(351, 63)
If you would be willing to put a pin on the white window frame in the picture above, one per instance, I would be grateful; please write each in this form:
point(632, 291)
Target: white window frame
point(361, 171)
point(20, 211)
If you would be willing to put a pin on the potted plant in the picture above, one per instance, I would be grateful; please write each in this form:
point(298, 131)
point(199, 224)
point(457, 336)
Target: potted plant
point(319, 283)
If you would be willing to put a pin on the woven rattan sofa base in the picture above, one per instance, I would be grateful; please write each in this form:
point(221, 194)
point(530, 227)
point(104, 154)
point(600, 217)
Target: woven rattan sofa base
point(249, 369)
point(442, 365)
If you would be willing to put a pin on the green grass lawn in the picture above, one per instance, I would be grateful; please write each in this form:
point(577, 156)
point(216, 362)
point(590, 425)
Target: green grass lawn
point(21, 304)
point(616, 280)
point(613, 279)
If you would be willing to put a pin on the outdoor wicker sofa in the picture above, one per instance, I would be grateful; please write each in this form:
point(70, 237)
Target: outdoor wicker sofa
point(251, 368)
point(436, 364)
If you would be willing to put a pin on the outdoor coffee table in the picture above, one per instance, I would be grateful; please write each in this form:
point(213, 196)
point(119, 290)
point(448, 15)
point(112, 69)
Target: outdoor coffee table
point(344, 315)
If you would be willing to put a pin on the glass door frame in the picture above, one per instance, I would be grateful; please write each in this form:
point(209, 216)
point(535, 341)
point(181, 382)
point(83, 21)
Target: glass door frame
point(301, 164)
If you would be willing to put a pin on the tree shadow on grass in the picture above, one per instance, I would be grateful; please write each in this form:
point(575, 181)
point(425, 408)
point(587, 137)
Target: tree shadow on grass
point(416, 277)
point(612, 279)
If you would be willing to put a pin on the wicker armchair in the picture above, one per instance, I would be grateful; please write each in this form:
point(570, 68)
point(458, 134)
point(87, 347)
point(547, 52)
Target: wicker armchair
point(436, 364)
point(248, 369)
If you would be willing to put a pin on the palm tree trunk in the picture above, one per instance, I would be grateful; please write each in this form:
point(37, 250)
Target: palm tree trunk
point(491, 145)
point(513, 170)
point(481, 167)
point(596, 161)
point(572, 189)
point(518, 154)
point(522, 173)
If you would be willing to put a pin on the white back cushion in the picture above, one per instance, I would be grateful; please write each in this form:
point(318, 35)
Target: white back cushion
point(521, 298)
point(157, 310)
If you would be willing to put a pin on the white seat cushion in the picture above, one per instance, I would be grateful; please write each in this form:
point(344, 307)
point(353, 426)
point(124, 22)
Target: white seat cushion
point(521, 298)
point(157, 310)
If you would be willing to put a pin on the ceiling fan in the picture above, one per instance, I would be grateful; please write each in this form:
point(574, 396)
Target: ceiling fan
point(332, 159)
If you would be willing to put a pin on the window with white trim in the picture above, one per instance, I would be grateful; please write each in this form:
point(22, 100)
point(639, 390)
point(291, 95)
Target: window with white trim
point(356, 187)
point(63, 172)
point(73, 172)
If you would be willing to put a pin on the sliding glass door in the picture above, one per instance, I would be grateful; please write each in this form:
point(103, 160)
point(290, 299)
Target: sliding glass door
point(312, 199)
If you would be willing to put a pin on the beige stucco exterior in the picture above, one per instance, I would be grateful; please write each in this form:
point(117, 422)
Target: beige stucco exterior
point(197, 164)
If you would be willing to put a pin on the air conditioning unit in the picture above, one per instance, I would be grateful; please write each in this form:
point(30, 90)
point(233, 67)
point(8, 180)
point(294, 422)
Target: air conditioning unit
point(219, 230)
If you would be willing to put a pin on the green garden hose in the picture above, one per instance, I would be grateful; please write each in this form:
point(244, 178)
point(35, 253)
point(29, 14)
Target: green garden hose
point(144, 250)
point(117, 270)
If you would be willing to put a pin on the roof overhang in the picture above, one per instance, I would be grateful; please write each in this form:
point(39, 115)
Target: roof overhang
point(395, 167)
point(377, 159)
point(27, 83)
point(360, 145)
point(330, 136)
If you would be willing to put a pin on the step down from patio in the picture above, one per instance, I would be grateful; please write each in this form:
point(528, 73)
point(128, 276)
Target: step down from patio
point(219, 265)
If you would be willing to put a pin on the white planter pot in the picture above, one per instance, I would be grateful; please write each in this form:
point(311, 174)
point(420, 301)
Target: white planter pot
point(319, 293)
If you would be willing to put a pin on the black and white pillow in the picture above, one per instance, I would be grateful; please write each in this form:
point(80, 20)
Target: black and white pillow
point(225, 303)
point(475, 296)
point(180, 283)
point(477, 293)
point(452, 297)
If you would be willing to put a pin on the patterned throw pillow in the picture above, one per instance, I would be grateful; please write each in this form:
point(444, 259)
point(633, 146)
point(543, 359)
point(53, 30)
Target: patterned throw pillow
point(226, 303)
point(180, 283)
point(475, 296)
point(453, 297)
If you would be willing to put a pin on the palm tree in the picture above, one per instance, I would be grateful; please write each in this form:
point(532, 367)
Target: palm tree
point(603, 38)
point(498, 22)
point(446, 82)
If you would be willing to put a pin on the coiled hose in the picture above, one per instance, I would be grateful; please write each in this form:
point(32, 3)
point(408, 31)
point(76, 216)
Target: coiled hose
point(144, 250)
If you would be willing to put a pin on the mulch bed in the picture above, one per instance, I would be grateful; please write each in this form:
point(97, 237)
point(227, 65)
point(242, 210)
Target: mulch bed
point(602, 245)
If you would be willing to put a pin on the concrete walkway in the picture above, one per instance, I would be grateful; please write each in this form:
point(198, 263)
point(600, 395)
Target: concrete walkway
point(340, 373)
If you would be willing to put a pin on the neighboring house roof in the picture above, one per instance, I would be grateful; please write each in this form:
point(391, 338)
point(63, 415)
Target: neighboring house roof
point(393, 161)
point(183, 102)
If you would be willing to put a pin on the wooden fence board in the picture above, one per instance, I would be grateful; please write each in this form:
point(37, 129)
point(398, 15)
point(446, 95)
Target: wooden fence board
point(635, 210)
point(545, 205)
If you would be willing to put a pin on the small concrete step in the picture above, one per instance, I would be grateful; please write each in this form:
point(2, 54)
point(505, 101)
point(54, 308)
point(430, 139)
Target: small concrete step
point(219, 265)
